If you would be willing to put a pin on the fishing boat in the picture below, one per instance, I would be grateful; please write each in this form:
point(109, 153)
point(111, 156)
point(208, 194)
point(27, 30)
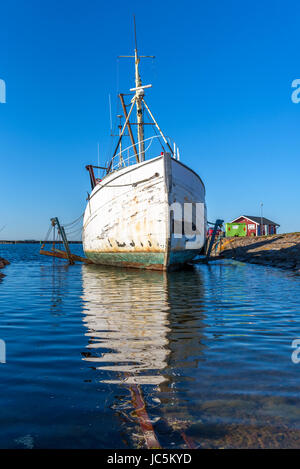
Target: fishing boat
point(147, 210)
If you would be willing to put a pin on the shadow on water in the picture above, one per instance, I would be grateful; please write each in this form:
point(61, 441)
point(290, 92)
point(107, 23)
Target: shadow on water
point(58, 284)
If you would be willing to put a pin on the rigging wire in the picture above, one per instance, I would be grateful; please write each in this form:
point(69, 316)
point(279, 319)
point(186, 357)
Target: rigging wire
point(73, 222)
point(159, 138)
point(72, 228)
point(78, 230)
point(118, 74)
point(48, 233)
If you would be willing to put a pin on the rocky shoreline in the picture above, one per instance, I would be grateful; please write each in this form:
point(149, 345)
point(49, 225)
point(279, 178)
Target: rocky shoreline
point(282, 250)
point(3, 263)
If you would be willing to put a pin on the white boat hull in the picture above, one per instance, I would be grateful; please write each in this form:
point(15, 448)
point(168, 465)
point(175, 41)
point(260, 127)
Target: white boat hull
point(128, 218)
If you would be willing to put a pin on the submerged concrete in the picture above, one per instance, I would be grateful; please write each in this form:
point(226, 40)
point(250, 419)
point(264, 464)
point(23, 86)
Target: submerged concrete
point(281, 250)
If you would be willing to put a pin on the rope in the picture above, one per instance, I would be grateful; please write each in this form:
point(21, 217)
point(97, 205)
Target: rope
point(73, 228)
point(155, 131)
point(133, 184)
point(48, 233)
point(118, 75)
point(73, 222)
point(73, 232)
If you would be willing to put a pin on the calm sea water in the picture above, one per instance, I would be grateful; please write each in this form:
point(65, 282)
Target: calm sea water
point(208, 350)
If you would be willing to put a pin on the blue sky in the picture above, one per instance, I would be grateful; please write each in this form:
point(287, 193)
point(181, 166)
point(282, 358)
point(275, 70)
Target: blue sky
point(221, 89)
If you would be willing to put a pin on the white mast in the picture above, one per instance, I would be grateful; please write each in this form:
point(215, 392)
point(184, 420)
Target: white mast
point(139, 102)
point(139, 94)
point(138, 99)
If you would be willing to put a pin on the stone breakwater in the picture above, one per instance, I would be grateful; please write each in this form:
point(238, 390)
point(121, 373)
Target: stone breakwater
point(3, 263)
point(281, 251)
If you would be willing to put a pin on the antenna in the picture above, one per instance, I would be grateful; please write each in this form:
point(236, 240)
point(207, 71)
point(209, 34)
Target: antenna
point(139, 94)
point(135, 41)
point(110, 117)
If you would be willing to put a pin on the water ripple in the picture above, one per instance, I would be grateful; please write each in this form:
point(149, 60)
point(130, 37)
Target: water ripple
point(209, 349)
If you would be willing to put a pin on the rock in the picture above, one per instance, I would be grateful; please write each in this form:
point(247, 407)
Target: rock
point(3, 263)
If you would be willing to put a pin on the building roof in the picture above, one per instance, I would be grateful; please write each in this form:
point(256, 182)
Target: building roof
point(257, 220)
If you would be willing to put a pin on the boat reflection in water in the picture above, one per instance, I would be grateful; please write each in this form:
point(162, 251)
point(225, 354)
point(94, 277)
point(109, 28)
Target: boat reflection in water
point(129, 322)
point(145, 328)
point(126, 315)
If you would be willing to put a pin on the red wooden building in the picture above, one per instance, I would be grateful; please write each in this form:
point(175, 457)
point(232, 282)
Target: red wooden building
point(257, 225)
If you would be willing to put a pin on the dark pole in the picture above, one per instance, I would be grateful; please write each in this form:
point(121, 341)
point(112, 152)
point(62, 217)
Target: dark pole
point(129, 127)
point(261, 219)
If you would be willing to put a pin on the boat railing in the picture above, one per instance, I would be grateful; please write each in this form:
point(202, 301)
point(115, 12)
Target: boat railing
point(128, 155)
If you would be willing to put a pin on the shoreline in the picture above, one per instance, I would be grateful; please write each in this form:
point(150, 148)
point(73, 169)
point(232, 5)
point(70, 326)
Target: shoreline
point(281, 250)
point(33, 241)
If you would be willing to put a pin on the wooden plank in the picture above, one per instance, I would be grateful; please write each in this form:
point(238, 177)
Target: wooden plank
point(63, 255)
point(76, 257)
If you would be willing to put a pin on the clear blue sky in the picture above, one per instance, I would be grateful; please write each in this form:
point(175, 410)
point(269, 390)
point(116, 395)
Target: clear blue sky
point(221, 88)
